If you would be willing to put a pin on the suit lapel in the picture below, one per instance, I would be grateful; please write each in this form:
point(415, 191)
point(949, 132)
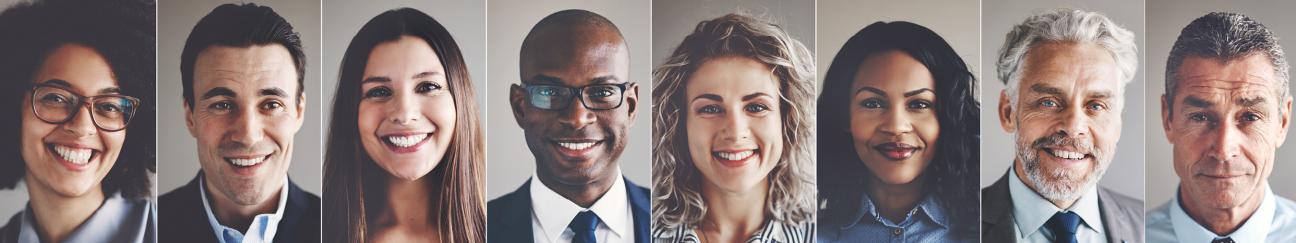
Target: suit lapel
point(996, 212)
point(1112, 220)
point(639, 206)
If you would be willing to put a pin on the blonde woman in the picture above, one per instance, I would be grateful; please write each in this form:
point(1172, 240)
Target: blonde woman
point(732, 134)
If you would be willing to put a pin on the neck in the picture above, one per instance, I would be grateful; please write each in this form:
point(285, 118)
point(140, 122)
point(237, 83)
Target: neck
point(58, 215)
point(239, 216)
point(733, 216)
point(409, 203)
point(1222, 221)
point(583, 195)
point(1021, 175)
point(895, 201)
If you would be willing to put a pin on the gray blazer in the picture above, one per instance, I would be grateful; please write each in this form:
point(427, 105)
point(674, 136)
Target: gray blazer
point(1122, 216)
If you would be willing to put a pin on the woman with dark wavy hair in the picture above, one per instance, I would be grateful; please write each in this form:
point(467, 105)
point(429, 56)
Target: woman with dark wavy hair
point(76, 94)
point(898, 139)
point(404, 160)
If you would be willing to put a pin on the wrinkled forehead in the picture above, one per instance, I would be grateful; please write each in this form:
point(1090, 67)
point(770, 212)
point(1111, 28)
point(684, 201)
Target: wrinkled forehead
point(1077, 69)
point(1248, 78)
point(254, 67)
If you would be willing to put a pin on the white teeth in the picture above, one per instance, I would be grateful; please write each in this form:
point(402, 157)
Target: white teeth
point(247, 162)
point(406, 141)
point(79, 156)
point(576, 146)
point(1067, 154)
point(735, 156)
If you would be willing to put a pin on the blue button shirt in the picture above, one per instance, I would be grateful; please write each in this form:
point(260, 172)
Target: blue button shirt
point(926, 222)
point(1273, 221)
point(263, 226)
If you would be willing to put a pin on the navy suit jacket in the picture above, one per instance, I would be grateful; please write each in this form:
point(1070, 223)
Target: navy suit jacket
point(182, 218)
point(509, 216)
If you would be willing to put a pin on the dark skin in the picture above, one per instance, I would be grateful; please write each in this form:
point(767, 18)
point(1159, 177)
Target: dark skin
point(575, 55)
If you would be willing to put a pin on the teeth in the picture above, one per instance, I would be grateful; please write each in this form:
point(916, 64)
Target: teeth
point(576, 146)
point(247, 162)
point(1067, 154)
point(735, 156)
point(74, 155)
point(406, 141)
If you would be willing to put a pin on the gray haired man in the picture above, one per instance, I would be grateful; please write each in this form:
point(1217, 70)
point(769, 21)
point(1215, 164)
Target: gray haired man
point(1065, 73)
point(1226, 111)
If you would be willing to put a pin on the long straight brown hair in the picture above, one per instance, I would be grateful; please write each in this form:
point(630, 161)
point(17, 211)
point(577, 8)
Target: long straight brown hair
point(354, 185)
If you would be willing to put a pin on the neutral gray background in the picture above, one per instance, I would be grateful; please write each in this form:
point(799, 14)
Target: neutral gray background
point(958, 21)
point(1125, 175)
point(177, 150)
point(508, 162)
point(463, 18)
point(675, 19)
point(1164, 26)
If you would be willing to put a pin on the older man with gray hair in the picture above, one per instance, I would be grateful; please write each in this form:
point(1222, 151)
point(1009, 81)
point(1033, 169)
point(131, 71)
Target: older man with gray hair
point(1065, 73)
point(1226, 111)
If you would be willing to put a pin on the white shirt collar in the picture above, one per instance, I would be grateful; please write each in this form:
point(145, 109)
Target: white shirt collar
point(1031, 211)
point(1254, 229)
point(555, 212)
point(265, 225)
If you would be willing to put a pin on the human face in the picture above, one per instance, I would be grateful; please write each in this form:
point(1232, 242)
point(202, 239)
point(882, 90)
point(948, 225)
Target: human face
point(1066, 119)
point(70, 159)
point(1226, 124)
point(407, 114)
point(576, 146)
point(734, 122)
point(893, 116)
point(244, 119)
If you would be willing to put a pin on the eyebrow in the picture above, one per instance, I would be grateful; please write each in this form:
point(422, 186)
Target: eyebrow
point(918, 91)
point(425, 74)
point(273, 92)
point(1040, 88)
point(546, 79)
point(219, 91)
point(708, 97)
point(884, 93)
point(1251, 102)
point(65, 84)
point(755, 95)
point(385, 79)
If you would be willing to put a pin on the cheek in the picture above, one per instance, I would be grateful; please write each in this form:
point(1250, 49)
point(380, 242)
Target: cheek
point(442, 112)
point(699, 133)
point(369, 116)
point(862, 126)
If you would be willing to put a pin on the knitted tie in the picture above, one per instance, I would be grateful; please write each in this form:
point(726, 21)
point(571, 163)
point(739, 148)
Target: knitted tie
point(1064, 226)
point(583, 225)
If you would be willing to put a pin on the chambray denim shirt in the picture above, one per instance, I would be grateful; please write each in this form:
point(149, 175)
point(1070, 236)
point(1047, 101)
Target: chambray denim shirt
point(927, 222)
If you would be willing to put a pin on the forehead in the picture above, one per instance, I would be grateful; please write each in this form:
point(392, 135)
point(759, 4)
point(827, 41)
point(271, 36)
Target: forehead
point(892, 70)
point(252, 67)
point(1253, 74)
point(1074, 67)
point(402, 58)
point(732, 76)
point(79, 65)
point(576, 61)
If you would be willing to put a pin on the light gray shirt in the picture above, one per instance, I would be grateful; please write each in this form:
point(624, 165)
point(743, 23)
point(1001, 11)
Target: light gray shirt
point(1031, 211)
point(1274, 221)
point(117, 220)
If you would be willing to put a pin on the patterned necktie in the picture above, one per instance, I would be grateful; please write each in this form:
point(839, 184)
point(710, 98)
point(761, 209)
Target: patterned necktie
point(1223, 240)
point(583, 225)
point(1064, 226)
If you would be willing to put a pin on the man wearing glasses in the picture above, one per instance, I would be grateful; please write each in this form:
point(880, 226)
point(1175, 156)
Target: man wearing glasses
point(575, 106)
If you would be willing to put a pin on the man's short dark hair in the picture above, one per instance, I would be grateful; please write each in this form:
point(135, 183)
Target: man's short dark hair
point(243, 25)
point(122, 32)
point(1225, 37)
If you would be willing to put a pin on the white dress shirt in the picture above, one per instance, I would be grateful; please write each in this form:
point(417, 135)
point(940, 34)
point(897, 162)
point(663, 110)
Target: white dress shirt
point(551, 213)
point(1031, 211)
point(263, 225)
point(1273, 221)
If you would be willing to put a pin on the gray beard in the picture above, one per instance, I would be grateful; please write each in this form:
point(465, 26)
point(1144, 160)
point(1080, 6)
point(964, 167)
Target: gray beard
point(1058, 185)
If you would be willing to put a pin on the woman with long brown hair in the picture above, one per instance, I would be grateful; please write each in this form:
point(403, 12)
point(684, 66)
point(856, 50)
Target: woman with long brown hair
point(404, 155)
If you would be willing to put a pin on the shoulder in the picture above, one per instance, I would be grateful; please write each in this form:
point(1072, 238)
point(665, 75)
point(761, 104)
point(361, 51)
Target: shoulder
point(1160, 228)
point(1284, 221)
point(9, 233)
point(1126, 204)
point(679, 233)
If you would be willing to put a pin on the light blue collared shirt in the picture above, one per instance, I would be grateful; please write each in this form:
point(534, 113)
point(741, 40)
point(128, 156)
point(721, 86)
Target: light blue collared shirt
point(1031, 211)
point(927, 222)
point(1274, 221)
point(263, 225)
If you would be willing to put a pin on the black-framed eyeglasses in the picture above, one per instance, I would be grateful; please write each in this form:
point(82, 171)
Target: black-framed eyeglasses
point(58, 105)
point(593, 97)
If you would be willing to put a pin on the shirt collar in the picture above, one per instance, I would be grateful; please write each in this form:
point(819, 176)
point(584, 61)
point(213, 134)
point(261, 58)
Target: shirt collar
point(1031, 211)
point(929, 207)
point(111, 217)
point(558, 212)
point(264, 224)
point(1255, 229)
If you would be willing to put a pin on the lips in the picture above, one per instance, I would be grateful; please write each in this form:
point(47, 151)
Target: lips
point(734, 158)
point(896, 150)
point(406, 140)
point(1066, 154)
point(247, 161)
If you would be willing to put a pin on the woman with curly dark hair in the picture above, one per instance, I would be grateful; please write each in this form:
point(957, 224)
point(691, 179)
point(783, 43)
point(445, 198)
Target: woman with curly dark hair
point(78, 80)
point(898, 139)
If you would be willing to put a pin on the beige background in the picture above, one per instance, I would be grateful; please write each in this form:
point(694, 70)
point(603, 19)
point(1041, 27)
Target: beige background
point(1164, 25)
point(177, 150)
point(508, 162)
point(1125, 175)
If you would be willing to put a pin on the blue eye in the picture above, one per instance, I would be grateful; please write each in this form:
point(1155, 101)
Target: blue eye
point(1197, 117)
point(1250, 117)
point(378, 92)
point(919, 104)
point(756, 108)
point(710, 109)
point(1097, 107)
point(1049, 103)
point(426, 87)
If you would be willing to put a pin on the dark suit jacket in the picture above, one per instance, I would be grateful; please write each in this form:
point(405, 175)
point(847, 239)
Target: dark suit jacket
point(182, 218)
point(508, 218)
point(1122, 216)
